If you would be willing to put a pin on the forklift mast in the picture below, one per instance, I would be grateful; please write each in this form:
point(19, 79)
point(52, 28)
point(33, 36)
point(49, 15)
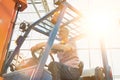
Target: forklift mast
point(8, 15)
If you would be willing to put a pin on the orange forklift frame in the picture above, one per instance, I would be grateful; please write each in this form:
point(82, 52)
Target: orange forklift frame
point(8, 14)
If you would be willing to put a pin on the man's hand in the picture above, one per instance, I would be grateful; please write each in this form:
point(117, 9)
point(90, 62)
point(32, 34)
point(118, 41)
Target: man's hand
point(38, 46)
point(56, 50)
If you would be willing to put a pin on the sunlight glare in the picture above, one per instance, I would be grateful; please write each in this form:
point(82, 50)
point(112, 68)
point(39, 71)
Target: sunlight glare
point(99, 24)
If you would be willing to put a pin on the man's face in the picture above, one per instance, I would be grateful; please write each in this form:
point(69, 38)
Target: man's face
point(63, 34)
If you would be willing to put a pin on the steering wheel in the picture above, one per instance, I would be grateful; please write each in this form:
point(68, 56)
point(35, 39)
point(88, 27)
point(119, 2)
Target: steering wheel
point(38, 54)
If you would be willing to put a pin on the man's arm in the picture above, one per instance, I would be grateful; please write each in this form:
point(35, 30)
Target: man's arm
point(55, 47)
point(62, 47)
point(38, 46)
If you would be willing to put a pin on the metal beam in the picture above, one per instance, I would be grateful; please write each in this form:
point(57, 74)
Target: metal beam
point(46, 7)
point(33, 3)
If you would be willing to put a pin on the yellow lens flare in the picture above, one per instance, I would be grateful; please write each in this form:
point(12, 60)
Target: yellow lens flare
point(99, 24)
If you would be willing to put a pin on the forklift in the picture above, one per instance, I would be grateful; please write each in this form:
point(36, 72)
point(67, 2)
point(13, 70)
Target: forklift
point(67, 16)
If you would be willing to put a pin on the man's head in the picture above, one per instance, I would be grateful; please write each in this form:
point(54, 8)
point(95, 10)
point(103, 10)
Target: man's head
point(63, 33)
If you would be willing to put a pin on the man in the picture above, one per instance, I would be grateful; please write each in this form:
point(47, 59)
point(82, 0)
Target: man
point(68, 66)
